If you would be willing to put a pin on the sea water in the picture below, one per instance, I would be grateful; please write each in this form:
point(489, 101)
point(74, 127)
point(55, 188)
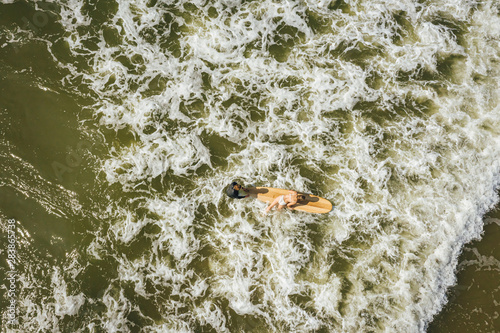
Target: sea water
point(124, 121)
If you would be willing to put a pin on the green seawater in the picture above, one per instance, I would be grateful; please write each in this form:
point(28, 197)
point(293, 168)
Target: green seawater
point(119, 229)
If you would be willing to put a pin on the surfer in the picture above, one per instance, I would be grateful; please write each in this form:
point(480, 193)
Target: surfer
point(286, 200)
point(233, 191)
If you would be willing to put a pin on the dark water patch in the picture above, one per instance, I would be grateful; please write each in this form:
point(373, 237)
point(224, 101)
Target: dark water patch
point(201, 264)
point(169, 126)
point(138, 320)
point(234, 99)
point(40, 20)
point(412, 106)
point(284, 40)
point(324, 329)
point(205, 216)
point(119, 138)
point(149, 35)
point(304, 300)
point(403, 28)
point(91, 43)
point(212, 12)
point(12, 14)
point(61, 50)
point(341, 265)
point(338, 114)
point(138, 246)
point(364, 186)
point(257, 114)
point(383, 146)
point(316, 174)
point(69, 324)
point(32, 61)
point(345, 290)
point(207, 79)
point(345, 127)
point(112, 36)
point(449, 67)
point(152, 229)
point(170, 35)
point(318, 23)
point(133, 63)
point(198, 327)
point(375, 113)
point(220, 148)
point(39, 119)
point(356, 52)
point(340, 5)
point(194, 108)
point(362, 54)
point(148, 311)
point(290, 82)
point(279, 52)
point(100, 11)
point(481, 79)
point(420, 73)
point(167, 181)
point(489, 127)
point(96, 277)
point(473, 300)
point(255, 45)
point(42, 132)
point(248, 323)
point(203, 171)
point(190, 12)
point(80, 61)
point(287, 140)
point(375, 80)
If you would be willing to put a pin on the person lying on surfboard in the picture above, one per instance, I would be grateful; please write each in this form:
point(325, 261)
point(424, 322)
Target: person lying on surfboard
point(233, 191)
point(287, 200)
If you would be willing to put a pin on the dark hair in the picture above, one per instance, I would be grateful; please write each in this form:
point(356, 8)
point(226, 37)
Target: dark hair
point(301, 197)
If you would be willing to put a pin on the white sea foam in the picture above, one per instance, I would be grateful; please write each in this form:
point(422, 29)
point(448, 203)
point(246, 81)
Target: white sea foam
point(65, 304)
point(117, 307)
point(406, 149)
point(48, 313)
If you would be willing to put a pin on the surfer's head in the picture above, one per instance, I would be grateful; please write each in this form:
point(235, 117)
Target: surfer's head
point(236, 186)
point(301, 197)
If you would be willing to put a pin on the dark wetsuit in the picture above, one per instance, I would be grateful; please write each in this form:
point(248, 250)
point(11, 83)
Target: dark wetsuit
point(232, 193)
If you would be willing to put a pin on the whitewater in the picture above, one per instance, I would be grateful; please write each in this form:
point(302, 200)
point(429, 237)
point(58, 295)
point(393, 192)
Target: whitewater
point(389, 109)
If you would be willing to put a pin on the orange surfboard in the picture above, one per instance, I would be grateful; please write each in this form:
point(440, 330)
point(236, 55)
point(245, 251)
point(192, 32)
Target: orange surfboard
point(312, 203)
